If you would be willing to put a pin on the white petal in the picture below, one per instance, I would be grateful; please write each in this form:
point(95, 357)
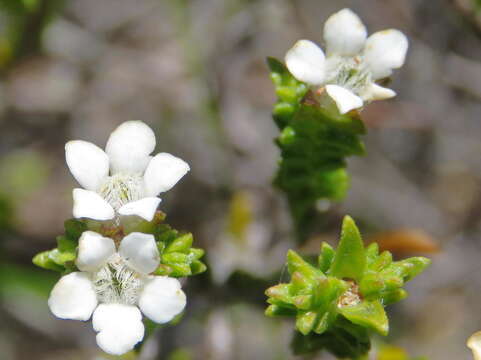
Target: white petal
point(73, 297)
point(162, 299)
point(93, 251)
point(377, 92)
point(140, 251)
point(129, 147)
point(145, 208)
point(474, 343)
point(344, 99)
point(89, 204)
point(384, 51)
point(344, 33)
point(306, 62)
point(120, 327)
point(88, 163)
point(163, 172)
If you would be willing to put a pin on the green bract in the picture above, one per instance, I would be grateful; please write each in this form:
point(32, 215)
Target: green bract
point(345, 292)
point(177, 256)
point(314, 144)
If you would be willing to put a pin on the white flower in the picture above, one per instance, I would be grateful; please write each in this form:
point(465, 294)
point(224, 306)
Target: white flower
point(123, 179)
point(112, 285)
point(353, 64)
point(474, 343)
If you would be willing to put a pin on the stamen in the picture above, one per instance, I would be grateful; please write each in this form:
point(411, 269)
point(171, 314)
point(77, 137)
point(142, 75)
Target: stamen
point(350, 73)
point(120, 189)
point(117, 283)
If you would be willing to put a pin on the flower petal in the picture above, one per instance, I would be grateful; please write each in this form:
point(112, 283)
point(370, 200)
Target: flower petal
point(144, 208)
point(93, 251)
point(120, 327)
point(474, 343)
point(88, 163)
point(384, 51)
point(129, 147)
point(89, 204)
point(73, 297)
point(377, 92)
point(344, 33)
point(140, 251)
point(306, 62)
point(344, 99)
point(163, 172)
point(162, 299)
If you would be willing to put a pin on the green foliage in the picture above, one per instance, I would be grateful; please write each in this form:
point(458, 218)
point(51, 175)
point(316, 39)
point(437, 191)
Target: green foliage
point(177, 256)
point(62, 258)
point(350, 285)
point(344, 340)
point(314, 143)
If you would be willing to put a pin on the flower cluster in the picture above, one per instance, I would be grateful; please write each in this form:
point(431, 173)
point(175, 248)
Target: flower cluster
point(119, 260)
point(354, 62)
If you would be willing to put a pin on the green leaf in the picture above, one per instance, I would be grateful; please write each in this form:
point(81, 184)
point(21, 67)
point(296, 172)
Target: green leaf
point(345, 340)
point(306, 321)
point(65, 243)
point(370, 314)
point(74, 228)
point(181, 244)
point(326, 256)
point(43, 260)
point(295, 263)
point(350, 259)
point(275, 310)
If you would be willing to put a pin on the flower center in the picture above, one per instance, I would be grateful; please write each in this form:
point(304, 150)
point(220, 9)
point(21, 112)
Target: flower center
point(351, 296)
point(348, 72)
point(121, 188)
point(117, 283)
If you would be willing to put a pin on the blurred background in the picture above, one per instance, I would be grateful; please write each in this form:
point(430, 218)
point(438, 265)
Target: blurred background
point(195, 72)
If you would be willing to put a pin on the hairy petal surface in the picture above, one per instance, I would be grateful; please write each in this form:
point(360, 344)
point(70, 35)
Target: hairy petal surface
point(93, 251)
point(140, 252)
point(119, 327)
point(129, 147)
point(144, 208)
point(384, 51)
point(345, 100)
point(88, 163)
point(89, 204)
point(344, 33)
point(162, 299)
point(163, 172)
point(306, 62)
point(73, 297)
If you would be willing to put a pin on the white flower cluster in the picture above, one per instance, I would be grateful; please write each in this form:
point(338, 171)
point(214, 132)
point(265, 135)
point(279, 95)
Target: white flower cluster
point(114, 284)
point(353, 64)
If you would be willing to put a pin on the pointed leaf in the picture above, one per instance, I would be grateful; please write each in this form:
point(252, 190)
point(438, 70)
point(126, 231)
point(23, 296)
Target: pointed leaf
point(350, 259)
point(326, 257)
point(295, 263)
point(306, 321)
point(370, 314)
